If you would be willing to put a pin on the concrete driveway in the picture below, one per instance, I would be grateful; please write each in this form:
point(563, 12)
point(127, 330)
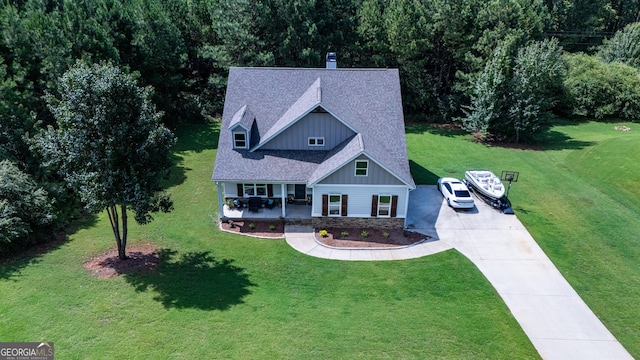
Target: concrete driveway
point(559, 324)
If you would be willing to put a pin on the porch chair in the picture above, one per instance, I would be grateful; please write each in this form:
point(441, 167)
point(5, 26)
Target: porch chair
point(255, 203)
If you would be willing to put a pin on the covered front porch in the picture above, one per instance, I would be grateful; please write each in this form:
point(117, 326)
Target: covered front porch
point(263, 200)
point(293, 211)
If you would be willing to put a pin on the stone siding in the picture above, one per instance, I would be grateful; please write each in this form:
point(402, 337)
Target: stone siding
point(352, 222)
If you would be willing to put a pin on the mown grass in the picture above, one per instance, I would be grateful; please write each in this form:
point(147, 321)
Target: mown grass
point(579, 196)
point(218, 295)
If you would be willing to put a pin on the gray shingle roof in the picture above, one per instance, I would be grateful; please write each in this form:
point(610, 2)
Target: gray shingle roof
point(244, 117)
point(366, 100)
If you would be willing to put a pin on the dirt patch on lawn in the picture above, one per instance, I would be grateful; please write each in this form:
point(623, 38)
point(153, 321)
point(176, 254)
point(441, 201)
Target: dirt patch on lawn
point(141, 258)
point(353, 237)
point(266, 229)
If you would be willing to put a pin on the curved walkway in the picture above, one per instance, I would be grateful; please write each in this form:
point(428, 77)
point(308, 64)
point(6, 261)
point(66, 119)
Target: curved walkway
point(557, 321)
point(301, 238)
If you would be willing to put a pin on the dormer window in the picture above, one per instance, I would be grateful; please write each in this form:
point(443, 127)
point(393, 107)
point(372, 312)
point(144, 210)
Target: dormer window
point(239, 140)
point(315, 141)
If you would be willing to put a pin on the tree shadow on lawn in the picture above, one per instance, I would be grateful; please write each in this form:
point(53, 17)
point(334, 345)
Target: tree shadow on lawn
point(555, 140)
point(547, 140)
point(191, 137)
point(12, 263)
point(447, 130)
point(197, 137)
point(194, 280)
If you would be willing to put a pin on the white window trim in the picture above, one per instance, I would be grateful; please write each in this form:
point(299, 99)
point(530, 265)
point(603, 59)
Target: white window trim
point(315, 140)
point(339, 205)
point(388, 207)
point(366, 169)
point(255, 188)
point(246, 139)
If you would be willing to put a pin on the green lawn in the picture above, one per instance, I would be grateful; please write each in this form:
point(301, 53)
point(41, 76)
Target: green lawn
point(578, 195)
point(218, 295)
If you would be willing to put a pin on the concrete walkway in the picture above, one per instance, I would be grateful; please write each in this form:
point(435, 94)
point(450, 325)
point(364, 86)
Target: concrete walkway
point(556, 320)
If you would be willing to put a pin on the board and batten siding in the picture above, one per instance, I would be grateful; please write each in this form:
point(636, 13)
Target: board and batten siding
point(312, 125)
point(376, 175)
point(360, 198)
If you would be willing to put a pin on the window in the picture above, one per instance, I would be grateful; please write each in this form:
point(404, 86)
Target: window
point(384, 206)
point(239, 140)
point(316, 141)
point(255, 190)
point(362, 167)
point(335, 204)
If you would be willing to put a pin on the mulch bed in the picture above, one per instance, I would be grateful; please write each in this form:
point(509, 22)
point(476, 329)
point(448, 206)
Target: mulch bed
point(256, 228)
point(141, 258)
point(334, 238)
point(375, 238)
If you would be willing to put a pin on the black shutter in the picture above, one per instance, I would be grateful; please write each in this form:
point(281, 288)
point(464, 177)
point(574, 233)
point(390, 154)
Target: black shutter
point(325, 205)
point(374, 206)
point(270, 190)
point(344, 205)
point(240, 190)
point(394, 205)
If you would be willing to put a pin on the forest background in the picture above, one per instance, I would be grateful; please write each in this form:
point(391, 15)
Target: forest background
point(500, 68)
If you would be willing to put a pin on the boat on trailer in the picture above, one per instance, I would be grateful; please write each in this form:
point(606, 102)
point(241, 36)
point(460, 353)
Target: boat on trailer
point(485, 182)
point(489, 188)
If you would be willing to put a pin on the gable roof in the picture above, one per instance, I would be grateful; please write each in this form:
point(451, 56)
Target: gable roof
point(244, 117)
point(366, 100)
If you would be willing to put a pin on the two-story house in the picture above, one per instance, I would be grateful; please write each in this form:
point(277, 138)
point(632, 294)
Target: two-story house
point(333, 138)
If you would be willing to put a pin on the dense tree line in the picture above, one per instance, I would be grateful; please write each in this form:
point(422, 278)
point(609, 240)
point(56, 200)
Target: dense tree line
point(489, 64)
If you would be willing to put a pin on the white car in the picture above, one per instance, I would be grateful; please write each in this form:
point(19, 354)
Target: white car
point(456, 193)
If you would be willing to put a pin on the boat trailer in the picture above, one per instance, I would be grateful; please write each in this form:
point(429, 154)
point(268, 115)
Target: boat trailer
point(503, 204)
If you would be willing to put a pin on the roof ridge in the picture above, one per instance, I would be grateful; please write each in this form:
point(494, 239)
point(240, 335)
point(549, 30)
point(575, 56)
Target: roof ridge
point(238, 116)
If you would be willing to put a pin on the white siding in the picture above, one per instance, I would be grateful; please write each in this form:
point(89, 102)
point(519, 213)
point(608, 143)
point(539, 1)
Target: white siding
point(359, 201)
point(231, 189)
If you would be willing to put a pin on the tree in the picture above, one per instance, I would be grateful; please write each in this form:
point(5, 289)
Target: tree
point(623, 47)
point(535, 87)
point(490, 91)
point(515, 93)
point(25, 208)
point(109, 145)
point(602, 90)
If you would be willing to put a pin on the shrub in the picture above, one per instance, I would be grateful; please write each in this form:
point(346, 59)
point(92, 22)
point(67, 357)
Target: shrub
point(364, 234)
point(252, 226)
point(344, 234)
point(272, 227)
point(385, 234)
point(602, 90)
point(323, 233)
point(25, 209)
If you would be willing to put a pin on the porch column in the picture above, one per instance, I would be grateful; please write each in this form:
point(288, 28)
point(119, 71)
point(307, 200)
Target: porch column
point(406, 207)
point(283, 198)
point(220, 199)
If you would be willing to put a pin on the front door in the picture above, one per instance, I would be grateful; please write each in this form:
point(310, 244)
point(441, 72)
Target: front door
point(301, 192)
